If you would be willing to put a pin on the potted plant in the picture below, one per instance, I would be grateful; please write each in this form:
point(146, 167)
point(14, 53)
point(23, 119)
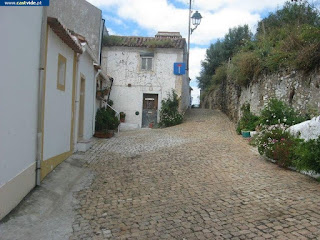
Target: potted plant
point(122, 117)
point(106, 123)
point(245, 133)
point(105, 91)
point(99, 94)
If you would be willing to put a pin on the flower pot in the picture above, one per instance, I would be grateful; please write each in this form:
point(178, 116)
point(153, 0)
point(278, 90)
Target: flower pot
point(122, 120)
point(245, 134)
point(99, 94)
point(151, 125)
point(104, 134)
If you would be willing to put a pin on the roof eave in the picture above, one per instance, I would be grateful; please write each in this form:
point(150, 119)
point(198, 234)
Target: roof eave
point(63, 33)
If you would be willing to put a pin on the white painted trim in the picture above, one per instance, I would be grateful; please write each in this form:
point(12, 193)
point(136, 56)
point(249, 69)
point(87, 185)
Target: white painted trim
point(12, 192)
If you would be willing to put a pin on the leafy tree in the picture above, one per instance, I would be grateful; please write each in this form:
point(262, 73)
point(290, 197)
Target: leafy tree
point(221, 51)
point(291, 14)
point(235, 39)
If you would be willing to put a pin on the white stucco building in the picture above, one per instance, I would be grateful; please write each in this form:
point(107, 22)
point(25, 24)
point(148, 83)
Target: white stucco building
point(47, 96)
point(19, 86)
point(142, 69)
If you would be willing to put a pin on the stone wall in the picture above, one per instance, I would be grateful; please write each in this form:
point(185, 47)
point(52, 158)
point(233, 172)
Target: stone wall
point(299, 90)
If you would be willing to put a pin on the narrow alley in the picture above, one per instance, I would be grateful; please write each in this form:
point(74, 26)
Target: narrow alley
point(197, 180)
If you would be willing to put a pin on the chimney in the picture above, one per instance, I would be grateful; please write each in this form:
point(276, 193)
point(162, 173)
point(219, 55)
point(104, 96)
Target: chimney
point(168, 35)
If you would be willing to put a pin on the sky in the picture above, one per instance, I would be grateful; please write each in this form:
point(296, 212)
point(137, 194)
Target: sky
point(147, 17)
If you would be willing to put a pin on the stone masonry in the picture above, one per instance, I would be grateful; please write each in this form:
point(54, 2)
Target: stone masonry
point(297, 89)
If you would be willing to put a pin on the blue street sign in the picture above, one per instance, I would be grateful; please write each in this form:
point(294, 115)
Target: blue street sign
point(179, 68)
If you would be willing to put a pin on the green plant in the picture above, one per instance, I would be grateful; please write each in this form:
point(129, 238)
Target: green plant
point(277, 111)
point(307, 155)
point(106, 120)
point(112, 40)
point(245, 67)
point(220, 52)
point(278, 144)
point(161, 43)
point(169, 113)
point(248, 121)
point(219, 76)
point(110, 102)
point(286, 39)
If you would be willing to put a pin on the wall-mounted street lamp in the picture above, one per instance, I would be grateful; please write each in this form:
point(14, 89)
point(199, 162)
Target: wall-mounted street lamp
point(196, 20)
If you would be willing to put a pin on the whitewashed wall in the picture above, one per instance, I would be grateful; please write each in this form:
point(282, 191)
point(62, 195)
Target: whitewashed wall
point(58, 104)
point(86, 69)
point(123, 64)
point(185, 89)
point(19, 77)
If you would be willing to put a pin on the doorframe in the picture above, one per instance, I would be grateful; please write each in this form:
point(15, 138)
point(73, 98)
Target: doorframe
point(158, 105)
point(81, 117)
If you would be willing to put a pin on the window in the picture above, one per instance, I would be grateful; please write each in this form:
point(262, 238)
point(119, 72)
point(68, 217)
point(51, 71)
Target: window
point(146, 63)
point(61, 79)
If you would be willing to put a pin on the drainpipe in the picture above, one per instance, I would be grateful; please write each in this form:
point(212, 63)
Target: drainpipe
point(111, 79)
point(104, 22)
point(43, 36)
point(94, 100)
point(76, 102)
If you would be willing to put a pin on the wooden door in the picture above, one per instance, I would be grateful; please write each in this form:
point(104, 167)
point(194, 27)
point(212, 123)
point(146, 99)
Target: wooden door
point(150, 110)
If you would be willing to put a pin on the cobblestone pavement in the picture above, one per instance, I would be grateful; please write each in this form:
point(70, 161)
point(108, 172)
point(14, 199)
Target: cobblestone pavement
point(198, 180)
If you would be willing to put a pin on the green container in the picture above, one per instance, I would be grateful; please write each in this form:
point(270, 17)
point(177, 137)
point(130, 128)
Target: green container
point(245, 134)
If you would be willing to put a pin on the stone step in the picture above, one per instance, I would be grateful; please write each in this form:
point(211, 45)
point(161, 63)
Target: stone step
point(128, 126)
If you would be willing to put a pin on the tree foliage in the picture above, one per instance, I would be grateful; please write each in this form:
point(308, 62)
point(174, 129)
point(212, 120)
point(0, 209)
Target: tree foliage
point(287, 38)
point(219, 52)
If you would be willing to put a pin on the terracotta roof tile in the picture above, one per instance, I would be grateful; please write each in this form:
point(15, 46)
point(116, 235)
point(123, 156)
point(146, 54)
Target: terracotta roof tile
point(147, 42)
point(64, 34)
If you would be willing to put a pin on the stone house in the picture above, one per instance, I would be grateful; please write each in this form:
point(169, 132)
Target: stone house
point(143, 73)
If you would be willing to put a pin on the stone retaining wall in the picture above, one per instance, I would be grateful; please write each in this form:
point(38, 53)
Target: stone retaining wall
point(299, 90)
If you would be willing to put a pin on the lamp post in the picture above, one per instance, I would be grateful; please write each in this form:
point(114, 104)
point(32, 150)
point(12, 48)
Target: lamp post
point(196, 20)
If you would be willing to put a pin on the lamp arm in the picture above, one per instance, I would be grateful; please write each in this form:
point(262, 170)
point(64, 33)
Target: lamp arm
point(192, 29)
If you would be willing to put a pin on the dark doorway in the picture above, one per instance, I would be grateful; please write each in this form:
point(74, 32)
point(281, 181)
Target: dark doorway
point(150, 110)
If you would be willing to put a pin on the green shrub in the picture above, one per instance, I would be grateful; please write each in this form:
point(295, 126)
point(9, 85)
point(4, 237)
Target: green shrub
point(106, 119)
point(307, 156)
point(277, 111)
point(220, 75)
point(278, 144)
point(245, 66)
point(169, 114)
point(248, 121)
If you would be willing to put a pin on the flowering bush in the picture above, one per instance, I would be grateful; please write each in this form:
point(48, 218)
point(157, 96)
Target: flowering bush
point(276, 143)
point(307, 155)
point(277, 112)
point(169, 114)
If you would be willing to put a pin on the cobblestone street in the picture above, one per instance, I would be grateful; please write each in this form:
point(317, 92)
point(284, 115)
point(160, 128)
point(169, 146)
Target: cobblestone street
point(198, 180)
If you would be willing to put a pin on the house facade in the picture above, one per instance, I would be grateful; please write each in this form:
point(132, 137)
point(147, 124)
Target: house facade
point(19, 88)
point(48, 94)
point(143, 73)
